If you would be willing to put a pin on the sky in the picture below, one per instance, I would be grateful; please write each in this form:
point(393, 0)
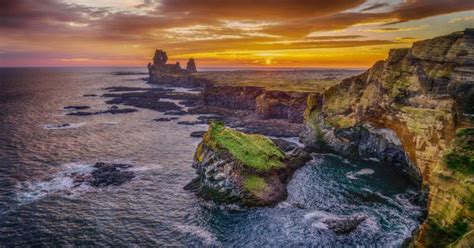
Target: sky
point(221, 33)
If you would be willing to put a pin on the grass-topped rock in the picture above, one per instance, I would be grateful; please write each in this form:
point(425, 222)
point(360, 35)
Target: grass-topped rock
point(246, 169)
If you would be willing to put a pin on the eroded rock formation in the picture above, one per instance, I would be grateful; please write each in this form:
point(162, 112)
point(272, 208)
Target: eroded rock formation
point(191, 66)
point(418, 102)
point(159, 70)
point(246, 169)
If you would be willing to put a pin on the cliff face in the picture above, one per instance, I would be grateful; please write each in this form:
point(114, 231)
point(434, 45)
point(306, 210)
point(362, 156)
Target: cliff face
point(267, 104)
point(414, 110)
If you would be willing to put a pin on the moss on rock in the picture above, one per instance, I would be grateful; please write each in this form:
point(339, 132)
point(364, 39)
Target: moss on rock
point(255, 184)
point(254, 151)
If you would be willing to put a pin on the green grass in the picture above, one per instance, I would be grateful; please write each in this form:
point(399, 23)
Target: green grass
point(254, 151)
point(255, 184)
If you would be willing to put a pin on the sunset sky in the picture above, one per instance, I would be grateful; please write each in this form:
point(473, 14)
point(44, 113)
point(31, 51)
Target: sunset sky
point(220, 33)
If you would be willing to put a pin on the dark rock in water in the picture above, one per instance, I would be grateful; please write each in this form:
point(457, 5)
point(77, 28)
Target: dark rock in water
point(110, 174)
point(344, 225)
point(120, 111)
point(209, 118)
point(149, 99)
point(165, 119)
point(198, 134)
point(59, 126)
point(191, 123)
point(81, 113)
point(176, 112)
point(113, 110)
point(122, 89)
point(77, 107)
point(89, 95)
point(105, 174)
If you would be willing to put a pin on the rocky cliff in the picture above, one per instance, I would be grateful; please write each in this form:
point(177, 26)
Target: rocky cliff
point(266, 104)
point(246, 169)
point(414, 110)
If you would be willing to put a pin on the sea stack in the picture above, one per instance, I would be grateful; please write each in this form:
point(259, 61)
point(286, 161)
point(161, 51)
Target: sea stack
point(162, 72)
point(191, 66)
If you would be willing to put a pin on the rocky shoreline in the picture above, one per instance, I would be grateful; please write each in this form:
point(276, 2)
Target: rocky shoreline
point(412, 112)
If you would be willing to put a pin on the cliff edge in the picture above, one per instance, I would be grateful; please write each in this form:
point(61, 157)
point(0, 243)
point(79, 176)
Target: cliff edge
point(414, 110)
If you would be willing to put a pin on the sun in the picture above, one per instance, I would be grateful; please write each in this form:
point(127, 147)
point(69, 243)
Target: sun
point(268, 61)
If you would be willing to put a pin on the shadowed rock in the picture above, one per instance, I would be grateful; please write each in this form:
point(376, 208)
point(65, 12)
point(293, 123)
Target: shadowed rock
point(77, 107)
point(191, 66)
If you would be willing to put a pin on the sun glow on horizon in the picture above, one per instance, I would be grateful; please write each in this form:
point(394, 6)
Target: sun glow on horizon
point(346, 34)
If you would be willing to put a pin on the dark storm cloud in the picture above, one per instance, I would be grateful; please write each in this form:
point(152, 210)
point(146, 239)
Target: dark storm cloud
point(262, 9)
point(295, 18)
point(33, 13)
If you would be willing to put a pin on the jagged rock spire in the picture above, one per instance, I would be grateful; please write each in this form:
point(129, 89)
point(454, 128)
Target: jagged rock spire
point(191, 66)
point(160, 57)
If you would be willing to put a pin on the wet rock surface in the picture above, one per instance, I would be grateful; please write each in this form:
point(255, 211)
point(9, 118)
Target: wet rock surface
point(150, 98)
point(77, 107)
point(346, 224)
point(197, 134)
point(105, 174)
point(165, 119)
point(112, 110)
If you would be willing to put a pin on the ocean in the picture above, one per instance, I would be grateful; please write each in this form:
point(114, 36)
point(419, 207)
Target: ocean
point(42, 150)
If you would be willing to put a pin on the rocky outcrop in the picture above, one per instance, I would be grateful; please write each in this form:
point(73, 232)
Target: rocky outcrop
point(245, 169)
point(159, 70)
point(104, 174)
point(344, 225)
point(265, 103)
point(414, 110)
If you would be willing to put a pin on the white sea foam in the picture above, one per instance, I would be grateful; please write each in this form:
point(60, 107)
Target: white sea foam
point(315, 215)
point(353, 175)
point(59, 182)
